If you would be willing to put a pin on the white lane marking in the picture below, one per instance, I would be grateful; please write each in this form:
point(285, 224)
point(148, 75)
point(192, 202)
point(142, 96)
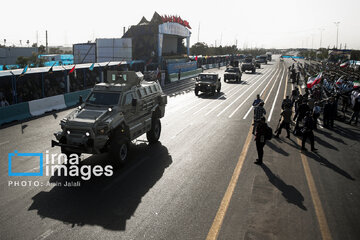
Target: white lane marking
point(3, 143)
point(320, 123)
point(232, 114)
point(253, 81)
point(248, 112)
point(235, 88)
point(181, 131)
point(46, 234)
point(277, 93)
point(227, 107)
point(238, 88)
point(228, 86)
point(267, 97)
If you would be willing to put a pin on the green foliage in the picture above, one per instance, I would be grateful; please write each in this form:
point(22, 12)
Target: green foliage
point(33, 61)
point(42, 49)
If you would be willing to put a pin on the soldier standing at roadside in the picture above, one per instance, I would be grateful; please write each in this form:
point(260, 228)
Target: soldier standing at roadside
point(308, 132)
point(259, 112)
point(260, 139)
point(286, 115)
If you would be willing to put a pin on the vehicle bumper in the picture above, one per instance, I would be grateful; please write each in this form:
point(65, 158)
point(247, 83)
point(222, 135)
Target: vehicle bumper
point(80, 144)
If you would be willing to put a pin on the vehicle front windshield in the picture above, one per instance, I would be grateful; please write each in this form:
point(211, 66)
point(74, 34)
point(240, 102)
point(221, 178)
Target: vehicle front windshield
point(248, 60)
point(230, 70)
point(207, 77)
point(103, 99)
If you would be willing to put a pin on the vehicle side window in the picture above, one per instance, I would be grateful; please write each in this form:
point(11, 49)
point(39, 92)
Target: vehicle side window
point(128, 99)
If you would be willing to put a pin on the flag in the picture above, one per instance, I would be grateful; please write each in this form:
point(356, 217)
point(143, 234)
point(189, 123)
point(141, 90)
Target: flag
point(72, 70)
point(196, 58)
point(25, 69)
point(340, 81)
point(92, 67)
point(51, 68)
point(312, 81)
point(357, 84)
point(344, 64)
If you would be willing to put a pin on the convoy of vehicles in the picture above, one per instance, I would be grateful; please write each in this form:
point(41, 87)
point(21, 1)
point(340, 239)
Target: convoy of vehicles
point(115, 113)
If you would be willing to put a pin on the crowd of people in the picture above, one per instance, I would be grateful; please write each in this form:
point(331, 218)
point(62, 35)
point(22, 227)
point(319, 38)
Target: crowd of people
point(316, 102)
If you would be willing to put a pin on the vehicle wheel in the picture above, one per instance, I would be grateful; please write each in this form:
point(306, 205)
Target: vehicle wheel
point(119, 149)
point(154, 134)
point(213, 91)
point(218, 90)
point(253, 71)
point(196, 92)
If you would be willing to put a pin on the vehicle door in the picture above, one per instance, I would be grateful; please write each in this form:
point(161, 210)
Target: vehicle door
point(130, 106)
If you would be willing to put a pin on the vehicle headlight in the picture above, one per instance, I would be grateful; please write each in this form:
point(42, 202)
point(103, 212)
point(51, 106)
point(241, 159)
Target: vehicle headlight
point(68, 132)
point(102, 130)
point(87, 134)
point(209, 85)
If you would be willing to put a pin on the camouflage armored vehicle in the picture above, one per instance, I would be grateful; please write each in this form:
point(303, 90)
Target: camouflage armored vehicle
point(232, 73)
point(115, 112)
point(207, 82)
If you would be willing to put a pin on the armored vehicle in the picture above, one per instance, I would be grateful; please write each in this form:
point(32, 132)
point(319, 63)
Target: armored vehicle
point(207, 82)
point(262, 59)
point(269, 56)
point(249, 64)
point(115, 113)
point(232, 73)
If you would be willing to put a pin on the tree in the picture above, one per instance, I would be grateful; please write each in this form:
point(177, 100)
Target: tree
point(42, 49)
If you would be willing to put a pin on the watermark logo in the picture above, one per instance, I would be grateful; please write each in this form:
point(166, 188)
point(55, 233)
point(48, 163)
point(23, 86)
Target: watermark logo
point(58, 165)
point(12, 156)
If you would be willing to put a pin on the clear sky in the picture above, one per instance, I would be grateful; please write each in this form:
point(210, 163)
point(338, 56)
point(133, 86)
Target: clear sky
point(259, 23)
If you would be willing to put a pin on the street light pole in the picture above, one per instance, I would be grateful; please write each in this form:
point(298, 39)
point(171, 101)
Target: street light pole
point(321, 31)
point(337, 33)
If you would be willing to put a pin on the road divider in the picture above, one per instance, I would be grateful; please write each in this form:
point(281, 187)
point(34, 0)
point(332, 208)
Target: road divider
point(72, 99)
point(16, 112)
point(41, 106)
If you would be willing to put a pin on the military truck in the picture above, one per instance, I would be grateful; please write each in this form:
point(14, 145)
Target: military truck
point(269, 56)
point(115, 113)
point(208, 83)
point(232, 73)
point(249, 64)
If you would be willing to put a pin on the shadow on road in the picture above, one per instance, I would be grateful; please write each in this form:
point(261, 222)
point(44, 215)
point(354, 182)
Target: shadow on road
point(276, 148)
point(325, 143)
point(290, 193)
point(317, 157)
point(105, 201)
point(329, 135)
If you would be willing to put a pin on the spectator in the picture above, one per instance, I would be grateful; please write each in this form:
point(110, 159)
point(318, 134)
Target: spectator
point(3, 102)
point(316, 113)
point(355, 114)
point(295, 95)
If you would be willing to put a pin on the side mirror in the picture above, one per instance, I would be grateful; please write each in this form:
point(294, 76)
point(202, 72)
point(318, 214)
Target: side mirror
point(134, 102)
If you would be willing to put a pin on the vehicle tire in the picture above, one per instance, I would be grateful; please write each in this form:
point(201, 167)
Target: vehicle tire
point(213, 91)
point(219, 89)
point(119, 149)
point(196, 92)
point(154, 134)
point(253, 71)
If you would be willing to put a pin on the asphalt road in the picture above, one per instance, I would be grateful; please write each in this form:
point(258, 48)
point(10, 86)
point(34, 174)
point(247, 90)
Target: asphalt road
point(198, 183)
